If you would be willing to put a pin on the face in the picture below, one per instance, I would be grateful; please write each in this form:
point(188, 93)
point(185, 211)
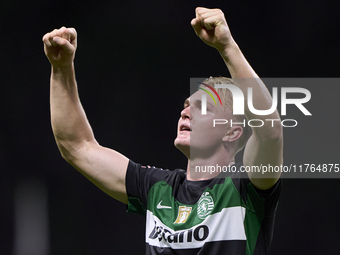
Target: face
point(195, 131)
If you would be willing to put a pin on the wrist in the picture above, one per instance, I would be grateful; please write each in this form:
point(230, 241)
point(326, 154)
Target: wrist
point(229, 49)
point(63, 74)
point(62, 70)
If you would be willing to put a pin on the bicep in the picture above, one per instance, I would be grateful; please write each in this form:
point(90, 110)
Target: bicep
point(263, 155)
point(104, 167)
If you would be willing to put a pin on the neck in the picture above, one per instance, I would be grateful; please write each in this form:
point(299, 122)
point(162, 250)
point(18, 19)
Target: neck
point(207, 168)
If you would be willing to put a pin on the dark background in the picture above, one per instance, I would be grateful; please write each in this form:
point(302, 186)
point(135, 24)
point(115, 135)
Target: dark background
point(133, 66)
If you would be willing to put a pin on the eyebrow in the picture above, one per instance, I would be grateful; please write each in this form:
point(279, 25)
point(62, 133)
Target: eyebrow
point(186, 103)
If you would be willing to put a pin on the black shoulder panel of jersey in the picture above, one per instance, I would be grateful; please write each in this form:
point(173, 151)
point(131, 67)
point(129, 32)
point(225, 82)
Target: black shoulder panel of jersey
point(139, 180)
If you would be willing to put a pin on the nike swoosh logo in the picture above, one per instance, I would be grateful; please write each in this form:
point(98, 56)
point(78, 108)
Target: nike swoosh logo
point(159, 206)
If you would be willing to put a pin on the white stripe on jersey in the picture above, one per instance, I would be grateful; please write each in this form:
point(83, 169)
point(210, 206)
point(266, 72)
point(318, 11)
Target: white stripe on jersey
point(224, 225)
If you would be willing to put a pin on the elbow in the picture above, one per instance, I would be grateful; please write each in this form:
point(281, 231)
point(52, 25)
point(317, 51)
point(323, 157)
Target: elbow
point(72, 151)
point(68, 149)
point(275, 134)
point(66, 155)
point(65, 151)
point(270, 134)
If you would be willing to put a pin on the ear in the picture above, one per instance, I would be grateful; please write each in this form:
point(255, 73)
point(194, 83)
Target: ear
point(233, 134)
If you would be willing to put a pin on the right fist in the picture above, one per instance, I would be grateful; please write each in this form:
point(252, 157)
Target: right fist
point(60, 46)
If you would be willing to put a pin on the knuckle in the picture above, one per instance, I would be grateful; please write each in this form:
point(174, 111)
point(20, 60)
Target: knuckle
point(53, 33)
point(73, 31)
point(200, 10)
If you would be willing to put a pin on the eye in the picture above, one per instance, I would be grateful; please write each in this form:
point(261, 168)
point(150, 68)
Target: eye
point(198, 104)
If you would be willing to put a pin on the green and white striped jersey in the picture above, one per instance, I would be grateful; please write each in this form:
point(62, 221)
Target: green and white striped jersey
point(218, 216)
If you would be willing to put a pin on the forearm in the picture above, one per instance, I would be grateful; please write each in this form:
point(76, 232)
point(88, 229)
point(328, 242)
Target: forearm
point(236, 63)
point(245, 77)
point(265, 147)
point(69, 123)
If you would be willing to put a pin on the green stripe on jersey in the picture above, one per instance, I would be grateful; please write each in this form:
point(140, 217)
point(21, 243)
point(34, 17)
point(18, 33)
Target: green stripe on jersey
point(161, 195)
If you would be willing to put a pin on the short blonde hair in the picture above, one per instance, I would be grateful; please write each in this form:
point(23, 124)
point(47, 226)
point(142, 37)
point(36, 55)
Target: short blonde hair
point(227, 102)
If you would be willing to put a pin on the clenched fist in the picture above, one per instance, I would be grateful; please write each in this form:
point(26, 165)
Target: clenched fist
point(60, 46)
point(210, 25)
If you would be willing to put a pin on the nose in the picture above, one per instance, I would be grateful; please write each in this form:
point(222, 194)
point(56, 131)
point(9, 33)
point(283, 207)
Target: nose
point(185, 114)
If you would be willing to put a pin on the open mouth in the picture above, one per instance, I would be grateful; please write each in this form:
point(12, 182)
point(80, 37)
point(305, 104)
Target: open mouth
point(185, 128)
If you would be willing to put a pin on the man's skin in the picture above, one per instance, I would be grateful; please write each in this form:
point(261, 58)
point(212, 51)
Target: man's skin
point(106, 168)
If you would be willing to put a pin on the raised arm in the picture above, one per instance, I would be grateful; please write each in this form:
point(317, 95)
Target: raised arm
point(104, 167)
point(265, 146)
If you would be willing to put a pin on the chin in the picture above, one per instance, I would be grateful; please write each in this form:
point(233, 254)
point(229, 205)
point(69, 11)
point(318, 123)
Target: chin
point(183, 146)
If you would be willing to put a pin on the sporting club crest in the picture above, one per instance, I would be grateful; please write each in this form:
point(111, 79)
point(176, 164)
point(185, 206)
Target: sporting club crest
point(205, 205)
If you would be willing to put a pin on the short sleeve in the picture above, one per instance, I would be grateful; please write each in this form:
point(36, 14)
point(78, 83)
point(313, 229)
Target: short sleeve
point(263, 202)
point(139, 179)
point(268, 199)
